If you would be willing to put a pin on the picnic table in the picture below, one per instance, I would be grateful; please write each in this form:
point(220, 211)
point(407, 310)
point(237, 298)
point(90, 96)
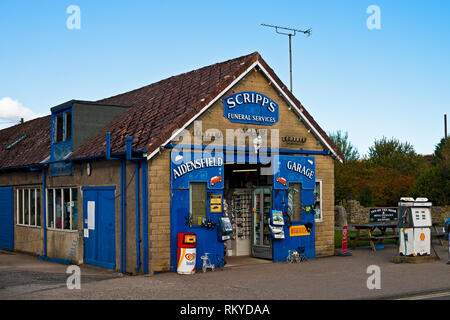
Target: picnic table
point(366, 232)
point(436, 233)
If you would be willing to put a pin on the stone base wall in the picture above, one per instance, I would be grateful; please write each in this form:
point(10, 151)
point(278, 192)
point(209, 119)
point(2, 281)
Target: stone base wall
point(357, 214)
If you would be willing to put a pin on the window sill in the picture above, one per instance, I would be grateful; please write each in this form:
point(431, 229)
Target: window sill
point(62, 230)
point(27, 226)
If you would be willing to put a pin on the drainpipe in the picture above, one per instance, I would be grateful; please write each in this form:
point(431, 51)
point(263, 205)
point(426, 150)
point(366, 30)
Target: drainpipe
point(144, 171)
point(137, 161)
point(122, 214)
point(138, 240)
point(44, 205)
point(123, 203)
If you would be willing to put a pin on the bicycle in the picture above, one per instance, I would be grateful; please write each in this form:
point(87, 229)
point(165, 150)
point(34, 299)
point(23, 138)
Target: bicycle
point(297, 256)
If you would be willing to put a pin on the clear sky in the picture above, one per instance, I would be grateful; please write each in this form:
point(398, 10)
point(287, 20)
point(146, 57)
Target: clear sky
point(393, 81)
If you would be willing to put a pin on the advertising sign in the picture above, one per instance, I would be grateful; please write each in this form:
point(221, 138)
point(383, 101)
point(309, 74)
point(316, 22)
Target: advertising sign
point(294, 169)
point(196, 166)
point(277, 218)
point(250, 107)
point(383, 214)
point(215, 201)
point(295, 231)
point(344, 239)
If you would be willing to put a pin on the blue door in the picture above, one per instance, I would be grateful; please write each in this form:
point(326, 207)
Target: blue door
point(6, 219)
point(298, 170)
point(99, 226)
point(206, 172)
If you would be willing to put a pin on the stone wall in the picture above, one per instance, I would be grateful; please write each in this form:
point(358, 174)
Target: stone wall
point(357, 214)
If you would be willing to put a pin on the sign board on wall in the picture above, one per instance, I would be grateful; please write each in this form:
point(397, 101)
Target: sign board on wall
point(250, 107)
point(383, 214)
point(301, 230)
point(196, 166)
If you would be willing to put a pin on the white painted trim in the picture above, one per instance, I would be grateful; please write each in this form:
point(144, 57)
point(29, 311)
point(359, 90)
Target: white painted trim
point(292, 104)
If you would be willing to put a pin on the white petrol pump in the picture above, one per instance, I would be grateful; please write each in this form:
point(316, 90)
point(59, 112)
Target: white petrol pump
point(415, 226)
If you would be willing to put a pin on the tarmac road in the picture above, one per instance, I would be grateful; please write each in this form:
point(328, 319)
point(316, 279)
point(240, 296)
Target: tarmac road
point(334, 278)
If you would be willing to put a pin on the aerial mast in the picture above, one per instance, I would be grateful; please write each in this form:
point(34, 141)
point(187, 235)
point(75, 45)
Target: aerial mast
point(290, 33)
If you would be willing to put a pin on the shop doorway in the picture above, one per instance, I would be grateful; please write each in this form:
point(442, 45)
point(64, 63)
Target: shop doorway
point(248, 203)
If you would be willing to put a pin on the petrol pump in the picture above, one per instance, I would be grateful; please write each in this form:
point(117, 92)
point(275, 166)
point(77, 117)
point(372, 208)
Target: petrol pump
point(414, 224)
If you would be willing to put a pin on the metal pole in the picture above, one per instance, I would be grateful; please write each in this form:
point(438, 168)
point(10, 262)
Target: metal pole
point(290, 34)
point(290, 59)
point(445, 125)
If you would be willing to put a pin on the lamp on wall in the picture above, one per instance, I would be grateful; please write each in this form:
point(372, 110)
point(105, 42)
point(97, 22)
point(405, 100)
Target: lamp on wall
point(88, 169)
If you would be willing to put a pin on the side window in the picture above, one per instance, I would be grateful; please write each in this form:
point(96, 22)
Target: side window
point(28, 207)
point(68, 126)
point(59, 128)
point(197, 203)
point(318, 201)
point(295, 201)
point(62, 208)
point(63, 127)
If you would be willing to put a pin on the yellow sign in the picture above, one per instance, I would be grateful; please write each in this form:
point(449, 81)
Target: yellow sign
point(216, 199)
point(295, 231)
point(190, 239)
point(215, 203)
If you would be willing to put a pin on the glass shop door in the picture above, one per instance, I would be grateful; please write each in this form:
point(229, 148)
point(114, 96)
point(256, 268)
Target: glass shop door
point(261, 235)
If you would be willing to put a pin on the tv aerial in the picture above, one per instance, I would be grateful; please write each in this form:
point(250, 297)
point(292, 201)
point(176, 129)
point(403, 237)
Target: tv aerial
point(290, 32)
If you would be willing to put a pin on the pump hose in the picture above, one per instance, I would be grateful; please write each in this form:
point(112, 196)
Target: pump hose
point(400, 239)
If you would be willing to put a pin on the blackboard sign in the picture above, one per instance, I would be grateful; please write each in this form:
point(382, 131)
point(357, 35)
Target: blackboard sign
point(383, 214)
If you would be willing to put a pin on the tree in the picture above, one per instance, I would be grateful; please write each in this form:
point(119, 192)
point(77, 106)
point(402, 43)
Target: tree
point(393, 154)
point(342, 142)
point(434, 183)
point(365, 197)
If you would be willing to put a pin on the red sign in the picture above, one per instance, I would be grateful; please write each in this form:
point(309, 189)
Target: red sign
point(344, 239)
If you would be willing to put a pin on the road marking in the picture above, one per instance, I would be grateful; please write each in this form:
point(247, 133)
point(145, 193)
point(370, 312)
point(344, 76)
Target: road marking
point(427, 296)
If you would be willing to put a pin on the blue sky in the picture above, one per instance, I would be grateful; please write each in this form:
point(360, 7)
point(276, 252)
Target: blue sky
point(392, 82)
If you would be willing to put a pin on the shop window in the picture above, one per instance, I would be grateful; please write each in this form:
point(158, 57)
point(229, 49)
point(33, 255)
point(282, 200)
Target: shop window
point(295, 201)
point(62, 208)
point(29, 207)
point(197, 203)
point(318, 201)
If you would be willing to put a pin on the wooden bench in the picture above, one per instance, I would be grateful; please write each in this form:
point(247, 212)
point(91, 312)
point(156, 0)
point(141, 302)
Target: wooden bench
point(382, 237)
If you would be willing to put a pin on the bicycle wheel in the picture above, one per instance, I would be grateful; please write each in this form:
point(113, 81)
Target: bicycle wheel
point(290, 258)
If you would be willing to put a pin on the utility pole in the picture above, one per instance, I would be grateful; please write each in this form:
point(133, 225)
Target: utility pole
point(290, 33)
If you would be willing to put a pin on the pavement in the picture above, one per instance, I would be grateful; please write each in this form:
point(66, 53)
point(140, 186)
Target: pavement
point(25, 277)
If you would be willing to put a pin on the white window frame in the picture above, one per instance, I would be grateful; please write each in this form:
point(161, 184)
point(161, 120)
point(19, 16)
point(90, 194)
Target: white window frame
point(320, 182)
point(37, 204)
point(62, 209)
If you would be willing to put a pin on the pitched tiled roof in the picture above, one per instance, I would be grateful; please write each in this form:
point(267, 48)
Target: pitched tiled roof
point(32, 143)
point(162, 107)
